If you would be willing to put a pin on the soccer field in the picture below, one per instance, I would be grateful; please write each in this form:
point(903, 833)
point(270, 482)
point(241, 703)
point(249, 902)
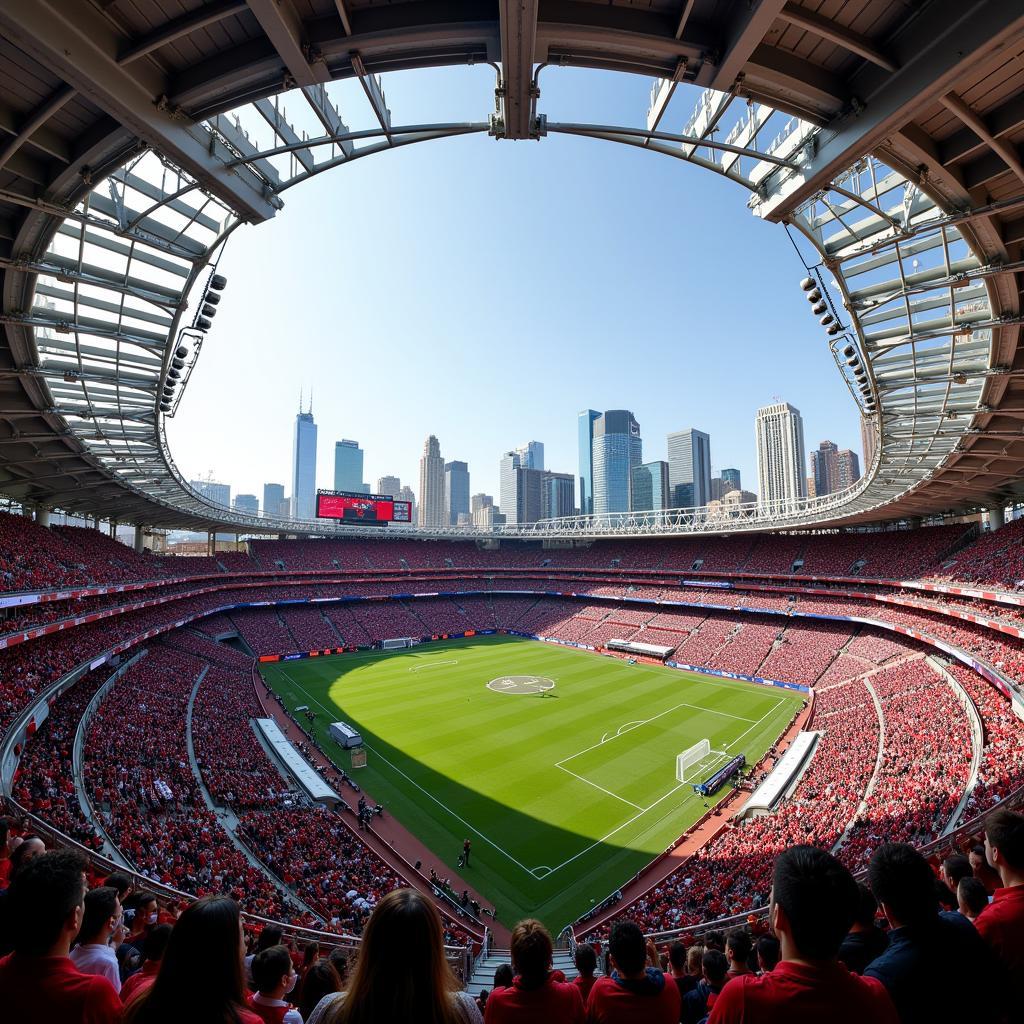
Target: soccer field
point(565, 793)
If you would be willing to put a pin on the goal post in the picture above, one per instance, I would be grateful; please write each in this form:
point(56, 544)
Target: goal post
point(397, 643)
point(688, 758)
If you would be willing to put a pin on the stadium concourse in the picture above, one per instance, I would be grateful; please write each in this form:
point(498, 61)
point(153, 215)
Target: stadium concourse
point(149, 763)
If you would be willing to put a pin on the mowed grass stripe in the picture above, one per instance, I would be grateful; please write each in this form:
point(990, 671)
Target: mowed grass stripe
point(489, 758)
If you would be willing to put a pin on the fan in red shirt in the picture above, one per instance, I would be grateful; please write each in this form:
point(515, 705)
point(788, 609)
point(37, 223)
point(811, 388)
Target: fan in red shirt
point(635, 993)
point(586, 964)
point(38, 981)
point(813, 903)
point(153, 947)
point(534, 995)
point(1001, 923)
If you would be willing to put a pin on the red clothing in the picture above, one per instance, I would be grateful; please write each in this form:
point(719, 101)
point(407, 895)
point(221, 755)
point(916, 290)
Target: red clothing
point(269, 1014)
point(52, 988)
point(584, 985)
point(611, 1002)
point(139, 981)
point(1001, 925)
point(554, 1002)
point(801, 994)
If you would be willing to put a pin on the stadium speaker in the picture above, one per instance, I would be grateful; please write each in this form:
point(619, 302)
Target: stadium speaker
point(181, 352)
point(165, 406)
point(808, 283)
point(212, 297)
point(173, 374)
point(819, 307)
point(208, 310)
point(853, 359)
point(849, 351)
point(218, 282)
point(203, 323)
point(178, 364)
point(827, 319)
point(833, 330)
point(813, 296)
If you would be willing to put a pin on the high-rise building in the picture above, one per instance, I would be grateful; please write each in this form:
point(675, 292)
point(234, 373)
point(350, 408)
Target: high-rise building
point(781, 469)
point(479, 501)
point(274, 503)
point(348, 466)
point(304, 464)
point(431, 512)
point(585, 434)
point(247, 503)
point(812, 487)
point(219, 494)
point(650, 487)
point(488, 515)
point(617, 448)
point(867, 440)
point(456, 490)
point(848, 469)
point(689, 468)
point(825, 468)
point(508, 485)
point(558, 495)
point(388, 485)
point(531, 455)
point(731, 480)
point(405, 493)
point(520, 490)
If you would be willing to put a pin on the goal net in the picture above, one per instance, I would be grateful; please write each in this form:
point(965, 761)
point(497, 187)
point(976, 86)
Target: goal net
point(698, 753)
point(397, 642)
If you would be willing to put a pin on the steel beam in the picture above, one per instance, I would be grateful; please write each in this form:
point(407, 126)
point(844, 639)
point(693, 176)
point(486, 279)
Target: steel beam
point(80, 45)
point(518, 19)
point(283, 27)
point(749, 28)
point(934, 50)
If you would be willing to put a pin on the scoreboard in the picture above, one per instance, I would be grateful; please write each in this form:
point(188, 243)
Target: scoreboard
point(352, 507)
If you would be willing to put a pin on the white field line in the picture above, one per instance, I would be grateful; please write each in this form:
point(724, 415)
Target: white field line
point(425, 792)
point(434, 664)
point(771, 711)
point(596, 786)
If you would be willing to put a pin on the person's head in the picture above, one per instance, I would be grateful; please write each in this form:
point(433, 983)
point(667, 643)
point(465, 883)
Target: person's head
point(531, 951)
point(677, 958)
point(695, 961)
point(310, 954)
point(201, 966)
point(628, 949)
point(503, 976)
point(1004, 845)
point(339, 961)
point(404, 920)
point(737, 948)
point(144, 910)
point(155, 942)
point(27, 850)
point(273, 972)
point(320, 980)
point(867, 909)
point(715, 968)
point(976, 858)
point(903, 884)
point(715, 940)
point(102, 915)
point(971, 897)
point(767, 953)
point(585, 959)
point(121, 882)
point(954, 868)
point(270, 936)
point(813, 903)
point(46, 899)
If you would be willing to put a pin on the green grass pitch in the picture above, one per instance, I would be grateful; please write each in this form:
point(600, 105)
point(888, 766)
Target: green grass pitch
point(565, 796)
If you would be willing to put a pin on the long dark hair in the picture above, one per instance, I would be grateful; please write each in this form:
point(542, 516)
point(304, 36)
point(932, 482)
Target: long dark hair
point(422, 991)
point(320, 980)
point(200, 978)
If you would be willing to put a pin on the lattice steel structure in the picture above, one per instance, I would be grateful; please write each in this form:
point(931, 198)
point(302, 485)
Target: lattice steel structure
point(135, 138)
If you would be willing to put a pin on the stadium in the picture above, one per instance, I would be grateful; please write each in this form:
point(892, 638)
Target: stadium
point(602, 722)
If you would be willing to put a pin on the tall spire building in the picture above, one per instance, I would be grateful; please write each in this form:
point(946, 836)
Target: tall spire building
point(781, 469)
point(304, 464)
point(432, 505)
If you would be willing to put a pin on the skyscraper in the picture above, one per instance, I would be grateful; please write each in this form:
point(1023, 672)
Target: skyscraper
point(508, 485)
point(247, 504)
point(848, 469)
point(558, 495)
point(456, 490)
point(531, 455)
point(348, 466)
point(585, 432)
point(219, 494)
point(731, 480)
point(617, 448)
point(304, 464)
point(650, 487)
point(431, 511)
point(479, 501)
point(689, 468)
point(274, 503)
point(521, 490)
point(825, 468)
point(781, 470)
point(388, 485)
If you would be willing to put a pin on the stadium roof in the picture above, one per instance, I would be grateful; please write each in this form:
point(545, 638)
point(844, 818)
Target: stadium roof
point(135, 134)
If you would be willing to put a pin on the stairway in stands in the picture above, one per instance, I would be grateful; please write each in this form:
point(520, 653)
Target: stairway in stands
point(483, 973)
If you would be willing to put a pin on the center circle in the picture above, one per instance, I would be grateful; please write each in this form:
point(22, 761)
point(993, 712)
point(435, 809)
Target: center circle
point(521, 684)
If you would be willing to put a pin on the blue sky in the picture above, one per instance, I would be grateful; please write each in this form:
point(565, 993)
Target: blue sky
point(486, 291)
